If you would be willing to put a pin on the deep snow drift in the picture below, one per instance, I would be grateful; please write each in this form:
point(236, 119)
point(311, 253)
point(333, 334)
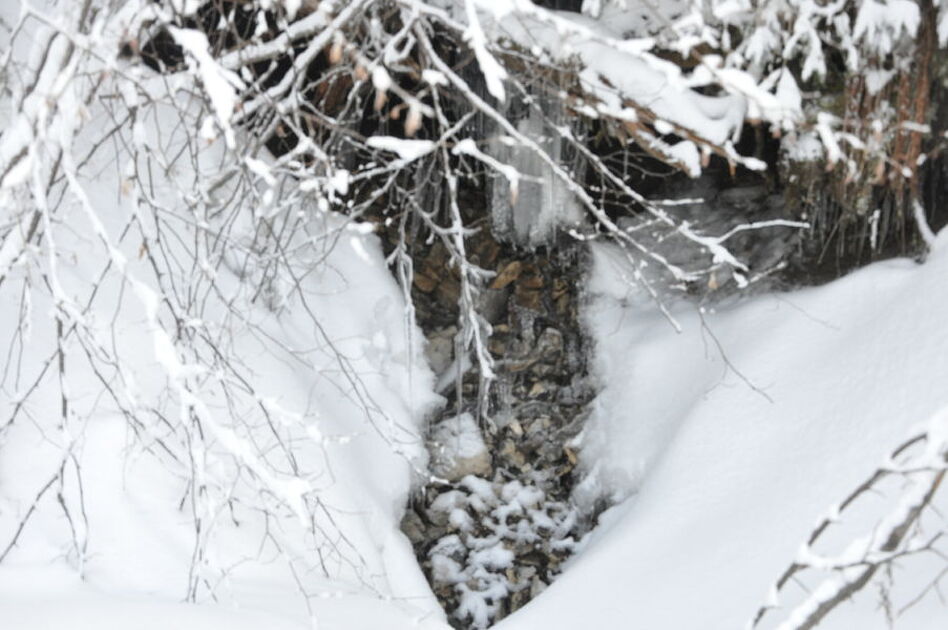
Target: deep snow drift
point(723, 445)
point(355, 445)
point(727, 473)
point(173, 424)
point(723, 481)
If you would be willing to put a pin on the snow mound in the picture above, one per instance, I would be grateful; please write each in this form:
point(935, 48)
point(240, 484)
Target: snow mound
point(458, 448)
point(727, 443)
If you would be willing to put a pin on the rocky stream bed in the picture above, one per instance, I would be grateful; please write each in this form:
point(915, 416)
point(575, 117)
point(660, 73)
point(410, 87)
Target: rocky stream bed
point(493, 528)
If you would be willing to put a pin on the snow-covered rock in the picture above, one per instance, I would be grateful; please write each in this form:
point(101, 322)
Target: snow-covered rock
point(458, 448)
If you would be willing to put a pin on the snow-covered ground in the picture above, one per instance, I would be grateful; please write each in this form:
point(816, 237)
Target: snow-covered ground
point(354, 445)
point(722, 446)
point(173, 425)
point(731, 440)
point(723, 475)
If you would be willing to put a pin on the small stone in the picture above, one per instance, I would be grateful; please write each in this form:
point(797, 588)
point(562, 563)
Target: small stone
point(525, 573)
point(448, 291)
point(510, 454)
point(516, 428)
point(413, 527)
point(520, 366)
point(563, 306)
point(537, 586)
point(559, 288)
point(538, 389)
point(532, 282)
point(424, 283)
point(507, 275)
point(492, 304)
point(497, 346)
point(550, 344)
point(529, 298)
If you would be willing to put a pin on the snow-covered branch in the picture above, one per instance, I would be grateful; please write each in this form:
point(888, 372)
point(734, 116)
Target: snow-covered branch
point(921, 462)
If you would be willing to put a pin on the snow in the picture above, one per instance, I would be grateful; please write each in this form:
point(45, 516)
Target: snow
point(881, 23)
point(460, 434)
point(613, 75)
point(407, 150)
point(220, 85)
point(722, 446)
point(114, 533)
point(803, 147)
point(722, 475)
point(140, 541)
point(458, 448)
point(494, 73)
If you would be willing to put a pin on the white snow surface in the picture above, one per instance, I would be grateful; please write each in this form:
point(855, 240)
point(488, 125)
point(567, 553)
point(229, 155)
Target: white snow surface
point(719, 485)
point(407, 150)
point(346, 385)
point(140, 536)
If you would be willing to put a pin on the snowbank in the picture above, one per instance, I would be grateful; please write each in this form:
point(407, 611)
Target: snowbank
point(177, 420)
point(725, 473)
point(138, 524)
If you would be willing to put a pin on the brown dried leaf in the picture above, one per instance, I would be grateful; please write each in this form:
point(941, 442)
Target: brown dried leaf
point(335, 53)
point(412, 121)
point(380, 99)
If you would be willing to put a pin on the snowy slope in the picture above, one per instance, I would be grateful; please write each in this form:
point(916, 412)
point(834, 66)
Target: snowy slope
point(166, 474)
point(727, 482)
point(139, 527)
point(721, 475)
point(355, 443)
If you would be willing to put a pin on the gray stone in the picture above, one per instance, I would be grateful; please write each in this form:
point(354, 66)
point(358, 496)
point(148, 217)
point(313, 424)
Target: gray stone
point(439, 350)
point(550, 344)
point(492, 304)
point(413, 527)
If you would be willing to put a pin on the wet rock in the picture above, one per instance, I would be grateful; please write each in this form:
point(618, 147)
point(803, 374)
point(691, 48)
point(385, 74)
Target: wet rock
point(532, 280)
point(529, 298)
point(743, 197)
point(448, 291)
point(485, 251)
point(425, 283)
point(535, 408)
